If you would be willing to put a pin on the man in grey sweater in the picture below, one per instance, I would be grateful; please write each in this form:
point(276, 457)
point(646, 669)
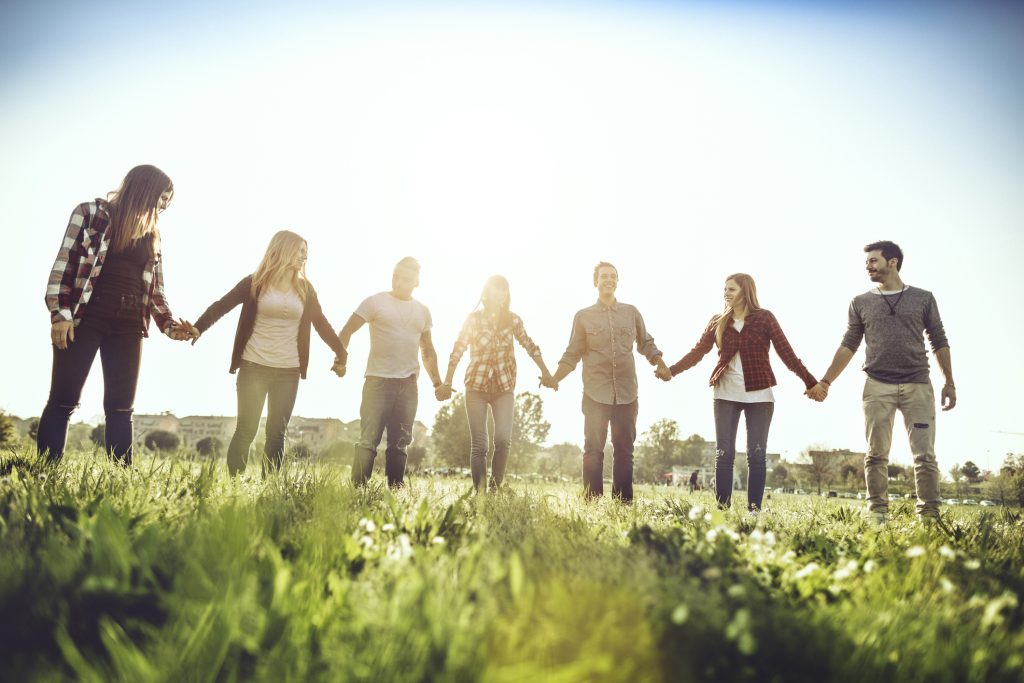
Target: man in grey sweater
point(892, 319)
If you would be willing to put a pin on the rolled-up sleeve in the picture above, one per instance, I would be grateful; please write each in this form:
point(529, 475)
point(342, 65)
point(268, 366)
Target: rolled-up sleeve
point(577, 344)
point(644, 341)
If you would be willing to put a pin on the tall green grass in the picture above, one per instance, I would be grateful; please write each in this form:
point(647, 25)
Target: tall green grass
point(171, 571)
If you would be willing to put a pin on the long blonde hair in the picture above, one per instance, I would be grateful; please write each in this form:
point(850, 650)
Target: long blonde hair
point(748, 295)
point(135, 205)
point(280, 255)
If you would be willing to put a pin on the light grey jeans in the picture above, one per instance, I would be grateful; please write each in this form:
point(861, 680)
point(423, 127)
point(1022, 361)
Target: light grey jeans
point(917, 404)
point(502, 405)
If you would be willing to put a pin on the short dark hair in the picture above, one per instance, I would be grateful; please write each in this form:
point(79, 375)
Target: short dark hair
point(890, 250)
point(603, 264)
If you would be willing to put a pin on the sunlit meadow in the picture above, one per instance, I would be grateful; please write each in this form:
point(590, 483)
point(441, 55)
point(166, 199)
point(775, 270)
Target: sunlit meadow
point(172, 572)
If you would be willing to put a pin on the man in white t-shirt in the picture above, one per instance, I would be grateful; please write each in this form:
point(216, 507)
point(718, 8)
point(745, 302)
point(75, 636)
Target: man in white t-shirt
point(399, 327)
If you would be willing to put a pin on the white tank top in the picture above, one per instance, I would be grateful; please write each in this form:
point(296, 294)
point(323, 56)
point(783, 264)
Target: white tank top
point(275, 336)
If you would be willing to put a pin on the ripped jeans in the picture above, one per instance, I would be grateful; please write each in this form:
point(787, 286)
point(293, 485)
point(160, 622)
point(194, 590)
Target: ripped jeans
point(727, 420)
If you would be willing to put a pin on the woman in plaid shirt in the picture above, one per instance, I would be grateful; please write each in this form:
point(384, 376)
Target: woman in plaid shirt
point(105, 284)
point(491, 376)
point(742, 381)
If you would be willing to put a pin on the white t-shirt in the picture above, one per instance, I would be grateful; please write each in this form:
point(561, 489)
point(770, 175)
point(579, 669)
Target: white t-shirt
point(730, 385)
point(395, 330)
point(275, 335)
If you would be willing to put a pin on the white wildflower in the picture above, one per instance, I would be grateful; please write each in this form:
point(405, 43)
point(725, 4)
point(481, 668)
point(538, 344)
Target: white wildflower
point(366, 542)
point(437, 540)
point(846, 571)
point(695, 512)
point(870, 566)
point(915, 551)
point(947, 585)
point(367, 525)
point(947, 552)
point(972, 564)
point(807, 570)
point(388, 527)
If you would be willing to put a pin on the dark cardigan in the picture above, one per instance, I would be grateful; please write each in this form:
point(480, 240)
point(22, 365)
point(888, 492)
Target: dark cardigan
point(242, 294)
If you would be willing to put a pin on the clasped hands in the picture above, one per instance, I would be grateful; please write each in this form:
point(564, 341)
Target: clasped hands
point(819, 392)
point(183, 330)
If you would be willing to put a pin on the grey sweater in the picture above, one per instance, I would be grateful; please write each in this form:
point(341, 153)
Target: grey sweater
point(895, 351)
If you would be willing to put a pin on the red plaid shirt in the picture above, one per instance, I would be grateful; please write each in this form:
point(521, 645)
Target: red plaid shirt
point(80, 262)
point(492, 358)
point(759, 328)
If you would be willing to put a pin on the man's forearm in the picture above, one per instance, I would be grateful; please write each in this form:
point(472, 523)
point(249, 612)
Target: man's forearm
point(561, 372)
point(945, 365)
point(839, 363)
point(430, 364)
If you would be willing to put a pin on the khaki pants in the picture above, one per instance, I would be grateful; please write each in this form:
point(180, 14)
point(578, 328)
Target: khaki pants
point(917, 404)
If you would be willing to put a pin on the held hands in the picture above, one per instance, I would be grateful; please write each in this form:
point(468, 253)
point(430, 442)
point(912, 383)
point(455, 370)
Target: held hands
point(443, 392)
point(183, 330)
point(819, 392)
point(663, 373)
point(339, 367)
point(547, 380)
point(61, 333)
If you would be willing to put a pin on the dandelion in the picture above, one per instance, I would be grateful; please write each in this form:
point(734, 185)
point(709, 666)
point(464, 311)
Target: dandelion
point(711, 535)
point(807, 570)
point(367, 525)
point(972, 564)
point(438, 540)
point(947, 552)
point(915, 551)
point(870, 566)
point(388, 527)
point(695, 512)
point(947, 585)
point(846, 571)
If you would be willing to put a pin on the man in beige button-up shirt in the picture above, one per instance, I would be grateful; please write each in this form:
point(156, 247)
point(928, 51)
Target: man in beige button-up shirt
point(603, 335)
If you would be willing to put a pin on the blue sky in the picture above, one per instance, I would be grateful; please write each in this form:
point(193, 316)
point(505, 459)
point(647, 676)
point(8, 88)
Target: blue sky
point(682, 141)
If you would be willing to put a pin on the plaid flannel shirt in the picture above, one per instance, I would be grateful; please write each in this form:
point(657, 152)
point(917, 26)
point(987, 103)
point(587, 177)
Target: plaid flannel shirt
point(492, 359)
point(759, 328)
point(79, 263)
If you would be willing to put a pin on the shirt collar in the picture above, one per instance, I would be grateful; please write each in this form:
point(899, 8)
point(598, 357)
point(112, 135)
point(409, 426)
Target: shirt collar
point(602, 307)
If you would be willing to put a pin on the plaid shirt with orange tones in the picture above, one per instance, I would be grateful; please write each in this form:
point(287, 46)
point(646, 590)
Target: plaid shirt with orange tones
point(492, 358)
point(78, 266)
point(759, 328)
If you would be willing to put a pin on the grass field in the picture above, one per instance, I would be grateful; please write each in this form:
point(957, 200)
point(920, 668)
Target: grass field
point(170, 571)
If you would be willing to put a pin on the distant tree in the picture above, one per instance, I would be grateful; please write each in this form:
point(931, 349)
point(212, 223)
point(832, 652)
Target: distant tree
point(300, 451)
point(450, 435)
point(417, 457)
point(691, 451)
point(529, 432)
point(850, 475)
point(98, 435)
point(956, 473)
point(1013, 470)
point(823, 466)
point(33, 428)
point(161, 440)
point(8, 433)
point(971, 472)
point(562, 459)
point(897, 472)
point(779, 476)
point(658, 451)
point(209, 446)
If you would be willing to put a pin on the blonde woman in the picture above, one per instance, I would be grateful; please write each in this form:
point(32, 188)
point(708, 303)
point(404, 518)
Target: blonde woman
point(742, 381)
point(491, 376)
point(105, 284)
point(271, 349)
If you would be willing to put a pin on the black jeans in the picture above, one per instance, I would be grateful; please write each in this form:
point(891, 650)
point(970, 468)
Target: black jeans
point(259, 384)
point(727, 420)
point(119, 343)
point(596, 419)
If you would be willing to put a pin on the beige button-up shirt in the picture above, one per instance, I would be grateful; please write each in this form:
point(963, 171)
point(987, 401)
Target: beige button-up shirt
point(603, 336)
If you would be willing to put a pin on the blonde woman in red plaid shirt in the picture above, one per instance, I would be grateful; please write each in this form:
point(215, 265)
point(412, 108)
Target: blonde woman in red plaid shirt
point(742, 381)
point(106, 282)
point(491, 376)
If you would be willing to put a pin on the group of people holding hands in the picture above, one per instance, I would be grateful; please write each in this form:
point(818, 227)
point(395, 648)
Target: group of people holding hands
point(107, 283)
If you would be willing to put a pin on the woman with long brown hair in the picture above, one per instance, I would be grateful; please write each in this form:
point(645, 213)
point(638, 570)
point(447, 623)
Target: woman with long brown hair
point(105, 284)
point(271, 349)
point(491, 376)
point(742, 381)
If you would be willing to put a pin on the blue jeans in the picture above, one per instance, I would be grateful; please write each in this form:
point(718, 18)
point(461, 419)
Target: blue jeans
point(727, 421)
point(388, 403)
point(596, 419)
point(259, 384)
point(502, 405)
